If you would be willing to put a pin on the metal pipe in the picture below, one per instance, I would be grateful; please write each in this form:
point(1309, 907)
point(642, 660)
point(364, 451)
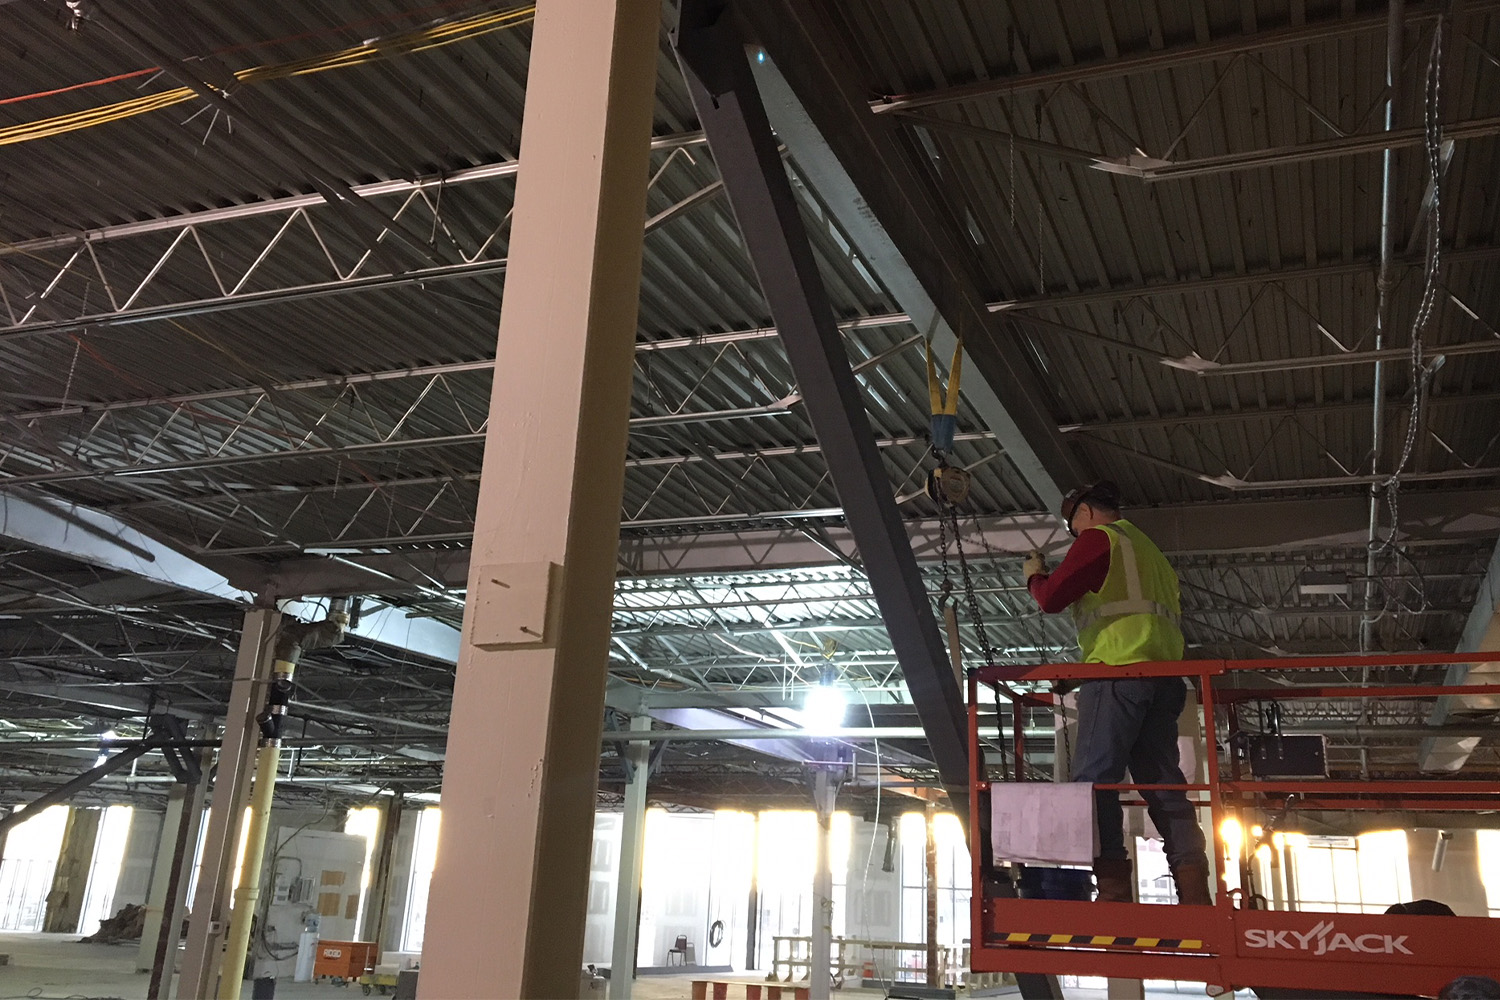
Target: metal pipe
point(292, 640)
point(1394, 25)
point(247, 896)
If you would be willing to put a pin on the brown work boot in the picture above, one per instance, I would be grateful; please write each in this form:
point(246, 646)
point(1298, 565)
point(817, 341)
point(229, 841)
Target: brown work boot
point(1116, 879)
point(1192, 884)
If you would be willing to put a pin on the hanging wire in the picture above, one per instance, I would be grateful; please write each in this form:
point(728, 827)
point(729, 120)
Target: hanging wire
point(1420, 373)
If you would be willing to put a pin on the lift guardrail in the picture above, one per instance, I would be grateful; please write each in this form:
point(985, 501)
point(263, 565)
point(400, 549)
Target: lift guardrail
point(1227, 946)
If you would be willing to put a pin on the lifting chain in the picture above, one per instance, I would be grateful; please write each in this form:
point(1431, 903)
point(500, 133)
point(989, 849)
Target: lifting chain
point(939, 489)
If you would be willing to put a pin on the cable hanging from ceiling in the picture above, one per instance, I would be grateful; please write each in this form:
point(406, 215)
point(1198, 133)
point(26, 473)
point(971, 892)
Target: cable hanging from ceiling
point(408, 43)
point(1421, 373)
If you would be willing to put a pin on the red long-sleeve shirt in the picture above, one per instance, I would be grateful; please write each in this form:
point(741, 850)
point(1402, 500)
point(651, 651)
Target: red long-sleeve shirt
point(1082, 571)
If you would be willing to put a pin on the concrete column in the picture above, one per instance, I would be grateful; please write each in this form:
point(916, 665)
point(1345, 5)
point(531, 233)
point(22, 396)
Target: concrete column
point(71, 877)
point(632, 857)
point(168, 929)
point(1129, 989)
point(231, 790)
point(161, 873)
point(752, 906)
point(930, 826)
point(1289, 875)
point(1275, 879)
point(1194, 754)
point(509, 895)
point(820, 955)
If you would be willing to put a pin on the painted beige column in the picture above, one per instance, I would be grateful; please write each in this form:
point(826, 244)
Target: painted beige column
point(231, 790)
point(509, 893)
point(161, 874)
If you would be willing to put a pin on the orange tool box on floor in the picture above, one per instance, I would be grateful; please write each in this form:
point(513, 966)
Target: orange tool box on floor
point(343, 959)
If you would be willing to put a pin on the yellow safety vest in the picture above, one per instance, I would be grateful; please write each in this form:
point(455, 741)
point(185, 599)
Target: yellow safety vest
point(1133, 617)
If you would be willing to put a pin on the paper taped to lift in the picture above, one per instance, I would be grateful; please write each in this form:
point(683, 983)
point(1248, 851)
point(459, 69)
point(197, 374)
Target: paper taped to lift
point(1037, 822)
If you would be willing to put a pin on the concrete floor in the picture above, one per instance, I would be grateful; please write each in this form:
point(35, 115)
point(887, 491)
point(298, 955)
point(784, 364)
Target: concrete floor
point(57, 967)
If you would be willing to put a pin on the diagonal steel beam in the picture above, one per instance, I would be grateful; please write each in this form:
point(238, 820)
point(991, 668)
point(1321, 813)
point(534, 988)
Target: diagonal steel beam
point(729, 108)
point(818, 164)
point(918, 253)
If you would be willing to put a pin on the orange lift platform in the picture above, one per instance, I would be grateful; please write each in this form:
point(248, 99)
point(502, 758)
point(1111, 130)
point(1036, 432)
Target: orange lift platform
point(1228, 946)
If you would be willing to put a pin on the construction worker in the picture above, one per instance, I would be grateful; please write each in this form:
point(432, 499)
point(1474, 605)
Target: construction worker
point(1125, 604)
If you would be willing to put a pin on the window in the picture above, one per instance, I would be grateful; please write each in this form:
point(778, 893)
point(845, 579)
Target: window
point(423, 859)
point(786, 851)
point(1363, 874)
point(1489, 868)
point(364, 822)
point(26, 872)
point(104, 869)
point(954, 879)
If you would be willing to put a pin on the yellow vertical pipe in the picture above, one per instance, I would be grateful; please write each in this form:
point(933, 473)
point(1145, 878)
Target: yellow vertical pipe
point(247, 896)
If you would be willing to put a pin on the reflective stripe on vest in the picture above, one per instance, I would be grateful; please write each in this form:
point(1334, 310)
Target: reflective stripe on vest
point(1134, 603)
point(1133, 617)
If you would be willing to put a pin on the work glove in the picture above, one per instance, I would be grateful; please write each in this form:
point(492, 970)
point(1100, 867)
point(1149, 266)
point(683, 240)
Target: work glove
point(1034, 564)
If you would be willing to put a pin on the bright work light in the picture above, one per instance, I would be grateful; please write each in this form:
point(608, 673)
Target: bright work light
point(824, 708)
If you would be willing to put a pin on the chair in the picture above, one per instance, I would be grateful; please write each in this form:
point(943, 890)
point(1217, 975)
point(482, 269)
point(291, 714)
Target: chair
point(680, 949)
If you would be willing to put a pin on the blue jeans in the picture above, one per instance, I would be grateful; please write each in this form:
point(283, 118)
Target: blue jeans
point(1132, 722)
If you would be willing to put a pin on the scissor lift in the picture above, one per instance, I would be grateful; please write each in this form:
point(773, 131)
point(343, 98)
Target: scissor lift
point(1224, 945)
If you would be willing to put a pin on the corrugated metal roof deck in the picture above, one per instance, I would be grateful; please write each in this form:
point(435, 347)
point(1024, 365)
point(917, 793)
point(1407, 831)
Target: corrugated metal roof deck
point(1100, 275)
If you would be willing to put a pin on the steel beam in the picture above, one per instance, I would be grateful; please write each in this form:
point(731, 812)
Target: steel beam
point(65, 791)
point(1239, 526)
point(910, 230)
point(1154, 60)
point(275, 206)
point(1152, 170)
point(1217, 282)
point(101, 540)
point(1293, 411)
point(817, 164)
point(729, 108)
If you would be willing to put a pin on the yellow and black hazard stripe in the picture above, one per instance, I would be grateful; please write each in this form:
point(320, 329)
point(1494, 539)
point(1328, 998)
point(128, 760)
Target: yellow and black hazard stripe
point(1105, 941)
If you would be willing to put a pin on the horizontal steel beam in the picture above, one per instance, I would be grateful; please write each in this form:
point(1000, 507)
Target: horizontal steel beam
point(1217, 282)
point(272, 206)
point(1155, 60)
point(1151, 170)
point(1204, 367)
point(736, 735)
point(1295, 411)
point(1251, 526)
point(417, 371)
point(248, 300)
point(97, 539)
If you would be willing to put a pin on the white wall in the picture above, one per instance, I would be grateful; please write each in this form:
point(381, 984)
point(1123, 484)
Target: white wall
point(874, 895)
point(674, 884)
point(1459, 883)
point(604, 874)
